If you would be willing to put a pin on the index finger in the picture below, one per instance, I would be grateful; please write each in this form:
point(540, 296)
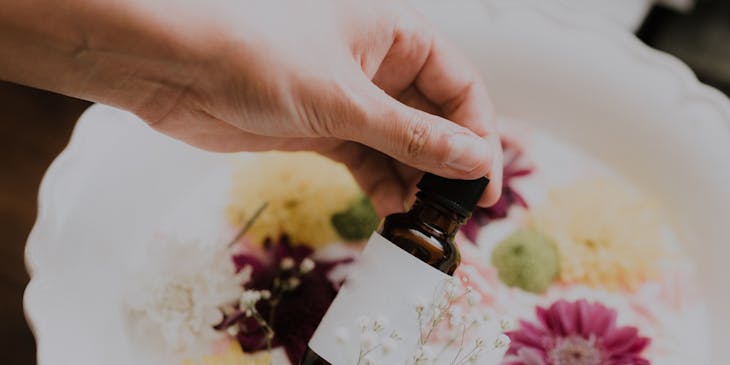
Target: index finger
point(451, 83)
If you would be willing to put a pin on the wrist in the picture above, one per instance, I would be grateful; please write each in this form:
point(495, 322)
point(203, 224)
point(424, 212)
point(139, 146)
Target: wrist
point(123, 53)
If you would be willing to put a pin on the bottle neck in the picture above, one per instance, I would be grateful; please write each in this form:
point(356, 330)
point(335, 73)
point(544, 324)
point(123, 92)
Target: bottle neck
point(436, 216)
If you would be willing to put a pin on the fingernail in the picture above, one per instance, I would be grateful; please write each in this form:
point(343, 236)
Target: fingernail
point(467, 152)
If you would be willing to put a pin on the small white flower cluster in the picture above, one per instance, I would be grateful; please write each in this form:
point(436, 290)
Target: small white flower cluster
point(289, 265)
point(249, 298)
point(305, 266)
point(452, 328)
point(247, 305)
point(178, 293)
point(375, 339)
point(465, 328)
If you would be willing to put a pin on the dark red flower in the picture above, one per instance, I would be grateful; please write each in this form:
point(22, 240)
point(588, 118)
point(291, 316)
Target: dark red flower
point(515, 167)
point(298, 298)
point(575, 333)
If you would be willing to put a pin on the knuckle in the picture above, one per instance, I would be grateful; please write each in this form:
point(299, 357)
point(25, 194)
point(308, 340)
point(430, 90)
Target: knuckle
point(413, 38)
point(418, 132)
point(332, 111)
point(315, 121)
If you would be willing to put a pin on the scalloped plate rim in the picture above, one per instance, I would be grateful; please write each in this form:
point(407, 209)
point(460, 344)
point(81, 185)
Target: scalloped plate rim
point(685, 81)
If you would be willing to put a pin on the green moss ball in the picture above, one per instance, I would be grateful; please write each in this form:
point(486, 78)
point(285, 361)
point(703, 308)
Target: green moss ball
point(358, 221)
point(527, 259)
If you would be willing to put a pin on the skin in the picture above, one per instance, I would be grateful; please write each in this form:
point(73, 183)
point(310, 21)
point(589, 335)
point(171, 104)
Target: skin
point(367, 83)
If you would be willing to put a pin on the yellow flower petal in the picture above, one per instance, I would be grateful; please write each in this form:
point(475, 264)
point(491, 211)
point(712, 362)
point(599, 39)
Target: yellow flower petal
point(607, 235)
point(302, 189)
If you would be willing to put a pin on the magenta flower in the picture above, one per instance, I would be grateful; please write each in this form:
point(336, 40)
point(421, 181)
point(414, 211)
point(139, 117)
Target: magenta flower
point(515, 167)
point(575, 333)
point(298, 295)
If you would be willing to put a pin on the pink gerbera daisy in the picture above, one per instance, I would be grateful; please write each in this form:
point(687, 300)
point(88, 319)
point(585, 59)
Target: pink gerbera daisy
point(575, 333)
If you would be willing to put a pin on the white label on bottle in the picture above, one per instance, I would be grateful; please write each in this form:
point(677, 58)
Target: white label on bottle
point(375, 317)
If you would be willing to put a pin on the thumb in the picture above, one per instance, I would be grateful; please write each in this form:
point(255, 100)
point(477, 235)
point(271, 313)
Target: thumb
point(419, 139)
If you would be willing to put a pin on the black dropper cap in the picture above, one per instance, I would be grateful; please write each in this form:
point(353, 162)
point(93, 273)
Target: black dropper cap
point(461, 196)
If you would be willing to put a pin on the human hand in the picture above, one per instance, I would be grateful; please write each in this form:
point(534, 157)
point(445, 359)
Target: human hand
point(366, 83)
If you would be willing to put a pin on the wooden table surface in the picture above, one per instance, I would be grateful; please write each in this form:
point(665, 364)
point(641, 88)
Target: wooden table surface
point(36, 126)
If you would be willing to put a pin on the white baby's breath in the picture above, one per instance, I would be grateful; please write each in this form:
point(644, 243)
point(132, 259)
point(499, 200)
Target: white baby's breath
point(364, 322)
point(177, 295)
point(369, 340)
point(341, 335)
point(293, 282)
point(389, 344)
point(380, 323)
point(506, 324)
point(368, 360)
point(502, 341)
point(306, 265)
point(287, 263)
point(473, 297)
point(249, 298)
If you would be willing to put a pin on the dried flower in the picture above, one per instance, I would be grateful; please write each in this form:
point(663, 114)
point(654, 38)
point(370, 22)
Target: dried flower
point(501, 341)
point(341, 335)
point(369, 340)
point(374, 339)
point(474, 297)
point(299, 294)
point(452, 327)
point(307, 265)
point(249, 298)
point(390, 343)
point(575, 333)
point(364, 322)
point(287, 263)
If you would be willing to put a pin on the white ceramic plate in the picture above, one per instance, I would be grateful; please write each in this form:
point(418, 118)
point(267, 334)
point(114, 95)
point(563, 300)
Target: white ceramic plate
point(626, 14)
point(576, 76)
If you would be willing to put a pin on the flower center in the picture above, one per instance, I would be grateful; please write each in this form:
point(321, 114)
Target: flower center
point(177, 298)
point(575, 351)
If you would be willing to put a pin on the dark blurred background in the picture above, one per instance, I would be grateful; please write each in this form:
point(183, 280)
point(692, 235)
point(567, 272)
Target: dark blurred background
point(37, 125)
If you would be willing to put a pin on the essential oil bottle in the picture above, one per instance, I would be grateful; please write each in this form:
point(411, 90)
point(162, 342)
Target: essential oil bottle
point(426, 232)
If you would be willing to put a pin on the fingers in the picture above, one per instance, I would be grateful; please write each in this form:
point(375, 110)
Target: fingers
point(449, 81)
point(424, 71)
point(375, 174)
point(422, 59)
point(415, 99)
point(409, 51)
point(416, 138)
point(494, 189)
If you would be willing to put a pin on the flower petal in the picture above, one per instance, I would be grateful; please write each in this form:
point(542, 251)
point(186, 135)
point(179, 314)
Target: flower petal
point(576, 322)
point(602, 320)
point(568, 318)
point(620, 340)
point(528, 336)
point(532, 356)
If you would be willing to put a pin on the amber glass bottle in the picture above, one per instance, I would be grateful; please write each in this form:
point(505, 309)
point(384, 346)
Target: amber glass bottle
point(427, 230)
